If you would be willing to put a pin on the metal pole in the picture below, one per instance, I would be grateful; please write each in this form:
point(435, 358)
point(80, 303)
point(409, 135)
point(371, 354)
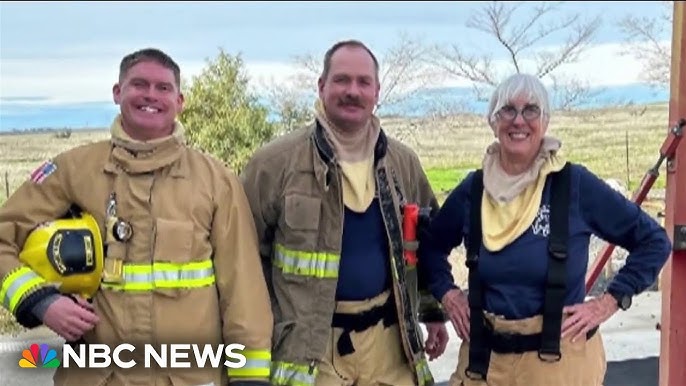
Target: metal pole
point(7, 185)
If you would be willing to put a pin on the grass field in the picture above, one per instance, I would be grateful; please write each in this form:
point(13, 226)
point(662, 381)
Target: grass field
point(448, 148)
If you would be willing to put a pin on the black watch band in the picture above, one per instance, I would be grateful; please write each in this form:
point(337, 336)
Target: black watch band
point(623, 300)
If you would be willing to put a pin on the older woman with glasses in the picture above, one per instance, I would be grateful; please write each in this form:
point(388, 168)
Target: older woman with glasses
point(525, 219)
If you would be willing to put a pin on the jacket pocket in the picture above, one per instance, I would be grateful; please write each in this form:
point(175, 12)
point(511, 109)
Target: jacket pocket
point(173, 241)
point(295, 305)
point(173, 244)
point(281, 331)
point(302, 212)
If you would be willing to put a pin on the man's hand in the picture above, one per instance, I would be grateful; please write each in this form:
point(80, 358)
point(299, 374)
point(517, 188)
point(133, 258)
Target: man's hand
point(581, 318)
point(70, 319)
point(436, 340)
point(457, 306)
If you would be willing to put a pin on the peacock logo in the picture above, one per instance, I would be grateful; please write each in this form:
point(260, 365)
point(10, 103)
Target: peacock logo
point(39, 356)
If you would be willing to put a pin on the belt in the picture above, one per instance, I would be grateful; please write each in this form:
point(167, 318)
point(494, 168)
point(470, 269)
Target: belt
point(509, 343)
point(362, 321)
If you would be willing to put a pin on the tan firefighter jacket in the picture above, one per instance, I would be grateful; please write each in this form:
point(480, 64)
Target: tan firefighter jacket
point(191, 270)
point(294, 188)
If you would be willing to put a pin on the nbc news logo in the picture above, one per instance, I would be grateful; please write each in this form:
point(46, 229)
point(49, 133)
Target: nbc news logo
point(39, 356)
point(102, 355)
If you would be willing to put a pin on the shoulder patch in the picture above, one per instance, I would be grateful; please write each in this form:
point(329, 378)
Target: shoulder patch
point(43, 171)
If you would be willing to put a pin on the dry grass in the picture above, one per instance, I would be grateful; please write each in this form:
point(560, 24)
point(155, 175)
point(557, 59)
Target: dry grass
point(20, 154)
point(7, 323)
point(448, 148)
point(595, 138)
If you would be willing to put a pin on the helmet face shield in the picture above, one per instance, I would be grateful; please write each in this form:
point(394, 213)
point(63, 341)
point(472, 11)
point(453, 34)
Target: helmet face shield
point(72, 251)
point(67, 252)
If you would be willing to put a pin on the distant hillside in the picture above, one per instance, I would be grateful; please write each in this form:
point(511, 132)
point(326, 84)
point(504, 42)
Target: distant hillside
point(20, 115)
point(462, 99)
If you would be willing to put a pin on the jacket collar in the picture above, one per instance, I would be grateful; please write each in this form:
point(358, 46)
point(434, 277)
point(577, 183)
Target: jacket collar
point(326, 152)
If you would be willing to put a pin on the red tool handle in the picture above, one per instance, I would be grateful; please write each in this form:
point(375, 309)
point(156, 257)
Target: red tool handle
point(410, 222)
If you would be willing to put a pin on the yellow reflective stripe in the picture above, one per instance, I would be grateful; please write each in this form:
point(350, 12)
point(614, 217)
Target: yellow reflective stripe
point(290, 374)
point(317, 264)
point(257, 365)
point(423, 373)
point(17, 284)
point(162, 266)
point(145, 277)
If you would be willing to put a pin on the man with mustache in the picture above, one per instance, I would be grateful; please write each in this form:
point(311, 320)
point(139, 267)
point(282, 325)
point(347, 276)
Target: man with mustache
point(327, 202)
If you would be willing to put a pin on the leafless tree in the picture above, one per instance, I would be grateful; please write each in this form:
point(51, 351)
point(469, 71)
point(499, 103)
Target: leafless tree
point(522, 36)
point(413, 131)
point(291, 99)
point(567, 92)
point(403, 72)
point(292, 106)
point(645, 41)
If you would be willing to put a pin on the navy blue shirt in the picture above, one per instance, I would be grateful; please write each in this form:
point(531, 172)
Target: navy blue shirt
point(364, 268)
point(514, 278)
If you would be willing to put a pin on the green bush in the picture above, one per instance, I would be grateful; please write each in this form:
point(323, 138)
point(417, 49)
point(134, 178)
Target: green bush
point(221, 116)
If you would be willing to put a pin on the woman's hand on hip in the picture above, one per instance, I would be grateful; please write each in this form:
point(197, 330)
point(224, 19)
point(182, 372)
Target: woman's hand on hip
point(583, 317)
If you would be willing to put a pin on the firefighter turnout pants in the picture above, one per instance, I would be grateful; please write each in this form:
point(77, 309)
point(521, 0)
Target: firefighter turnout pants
point(377, 356)
point(582, 363)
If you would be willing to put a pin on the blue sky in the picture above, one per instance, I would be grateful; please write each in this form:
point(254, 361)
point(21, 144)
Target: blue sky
point(69, 51)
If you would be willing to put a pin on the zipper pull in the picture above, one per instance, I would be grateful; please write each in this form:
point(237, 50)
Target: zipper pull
point(111, 210)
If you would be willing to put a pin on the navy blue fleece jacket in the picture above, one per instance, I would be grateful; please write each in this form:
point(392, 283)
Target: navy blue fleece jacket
point(514, 278)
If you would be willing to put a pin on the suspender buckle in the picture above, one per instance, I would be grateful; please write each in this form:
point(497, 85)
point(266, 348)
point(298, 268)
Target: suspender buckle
point(475, 376)
point(556, 251)
point(549, 356)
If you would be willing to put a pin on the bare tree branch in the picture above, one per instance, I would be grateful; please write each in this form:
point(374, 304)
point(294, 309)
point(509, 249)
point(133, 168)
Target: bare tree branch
point(520, 41)
point(413, 131)
point(493, 20)
point(570, 51)
point(477, 69)
point(403, 72)
point(289, 101)
point(570, 93)
point(644, 41)
point(523, 31)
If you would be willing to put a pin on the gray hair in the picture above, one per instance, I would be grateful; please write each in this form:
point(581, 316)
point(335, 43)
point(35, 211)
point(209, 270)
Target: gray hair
point(524, 85)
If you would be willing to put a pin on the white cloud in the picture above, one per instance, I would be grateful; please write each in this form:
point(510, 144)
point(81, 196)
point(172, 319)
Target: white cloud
point(91, 79)
point(86, 80)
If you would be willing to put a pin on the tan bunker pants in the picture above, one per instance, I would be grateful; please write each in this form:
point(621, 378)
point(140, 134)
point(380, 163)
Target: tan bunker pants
point(378, 359)
point(582, 363)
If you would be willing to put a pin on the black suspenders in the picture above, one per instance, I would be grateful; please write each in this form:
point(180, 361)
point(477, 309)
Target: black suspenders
point(482, 339)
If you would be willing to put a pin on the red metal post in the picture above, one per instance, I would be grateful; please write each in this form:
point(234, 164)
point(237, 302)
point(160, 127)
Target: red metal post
point(667, 152)
point(673, 328)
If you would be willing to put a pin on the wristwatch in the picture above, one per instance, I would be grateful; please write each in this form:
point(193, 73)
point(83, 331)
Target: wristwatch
point(623, 300)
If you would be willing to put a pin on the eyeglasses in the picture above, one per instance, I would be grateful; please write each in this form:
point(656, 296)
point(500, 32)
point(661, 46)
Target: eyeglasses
point(529, 112)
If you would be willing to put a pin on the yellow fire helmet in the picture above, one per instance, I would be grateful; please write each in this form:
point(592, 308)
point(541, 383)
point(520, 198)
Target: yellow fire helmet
point(67, 252)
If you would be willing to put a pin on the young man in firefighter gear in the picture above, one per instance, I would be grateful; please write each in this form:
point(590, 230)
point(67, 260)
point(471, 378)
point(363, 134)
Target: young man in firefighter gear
point(327, 202)
point(180, 256)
